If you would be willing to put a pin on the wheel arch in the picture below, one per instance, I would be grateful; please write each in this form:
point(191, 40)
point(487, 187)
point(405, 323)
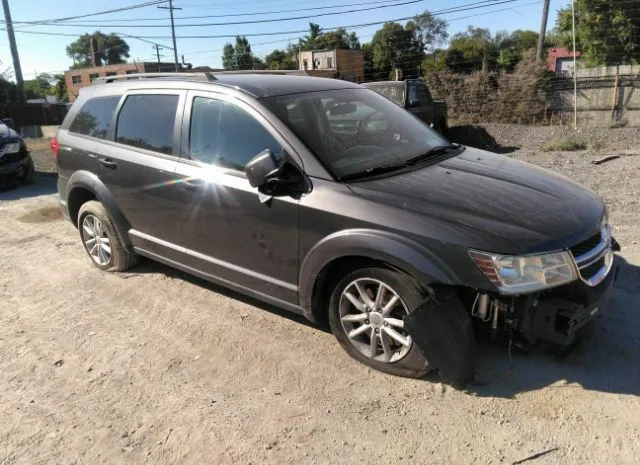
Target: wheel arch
point(84, 186)
point(343, 251)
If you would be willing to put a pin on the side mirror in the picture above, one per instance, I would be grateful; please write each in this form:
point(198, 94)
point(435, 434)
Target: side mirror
point(261, 167)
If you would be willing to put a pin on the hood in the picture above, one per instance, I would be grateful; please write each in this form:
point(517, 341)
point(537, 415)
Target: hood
point(530, 208)
point(7, 133)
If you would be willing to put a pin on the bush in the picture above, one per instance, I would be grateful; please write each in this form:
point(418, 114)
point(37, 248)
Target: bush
point(568, 144)
point(518, 97)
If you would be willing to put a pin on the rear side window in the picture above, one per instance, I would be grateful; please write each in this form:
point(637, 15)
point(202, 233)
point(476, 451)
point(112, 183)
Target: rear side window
point(94, 117)
point(147, 121)
point(224, 135)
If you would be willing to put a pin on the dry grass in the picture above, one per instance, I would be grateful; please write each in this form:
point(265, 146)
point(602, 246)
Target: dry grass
point(568, 144)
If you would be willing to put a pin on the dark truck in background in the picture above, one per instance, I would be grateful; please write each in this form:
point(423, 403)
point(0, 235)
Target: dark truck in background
point(414, 96)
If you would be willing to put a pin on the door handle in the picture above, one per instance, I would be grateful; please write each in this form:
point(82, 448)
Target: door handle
point(108, 163)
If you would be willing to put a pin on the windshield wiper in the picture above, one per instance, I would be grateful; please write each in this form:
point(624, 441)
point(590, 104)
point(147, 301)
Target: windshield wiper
point(434, 151)
point(374, 171)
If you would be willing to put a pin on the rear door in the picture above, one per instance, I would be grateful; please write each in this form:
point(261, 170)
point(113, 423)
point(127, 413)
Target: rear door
point(137, 167)
point(84, 137)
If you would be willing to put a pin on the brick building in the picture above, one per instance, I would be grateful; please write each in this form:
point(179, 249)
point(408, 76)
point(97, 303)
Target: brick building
point(75, 79)
point(560, 61)
point(344, 64)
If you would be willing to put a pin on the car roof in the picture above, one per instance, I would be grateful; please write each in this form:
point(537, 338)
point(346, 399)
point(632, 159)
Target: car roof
point(270, 85)
point(257, 85)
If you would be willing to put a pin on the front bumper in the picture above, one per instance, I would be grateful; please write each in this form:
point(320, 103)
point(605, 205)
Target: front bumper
point(13, 167)
point(560, 316)
point(11, 173)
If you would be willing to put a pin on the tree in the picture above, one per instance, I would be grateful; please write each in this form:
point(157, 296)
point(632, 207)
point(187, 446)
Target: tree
point(396, 47)
point(512, 47)
point(607, 32)
point(434, 61)
point(473, 50)
point(281, 59)
point(239, 56)
point(60, 88)
point(430, 31)
point(39, 87)
point(320, 40)
point(108, 49)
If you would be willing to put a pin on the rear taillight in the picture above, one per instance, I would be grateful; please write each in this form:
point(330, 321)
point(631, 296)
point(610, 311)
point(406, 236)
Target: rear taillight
point(55, 147)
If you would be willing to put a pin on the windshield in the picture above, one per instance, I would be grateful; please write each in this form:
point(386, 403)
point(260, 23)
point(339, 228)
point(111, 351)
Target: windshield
point(355, 130)
point(393, 91)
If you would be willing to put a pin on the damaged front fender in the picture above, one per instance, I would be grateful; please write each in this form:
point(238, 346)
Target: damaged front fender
point(443, 331)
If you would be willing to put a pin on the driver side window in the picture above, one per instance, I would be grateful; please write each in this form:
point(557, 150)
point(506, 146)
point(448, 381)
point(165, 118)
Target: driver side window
point(225, 135)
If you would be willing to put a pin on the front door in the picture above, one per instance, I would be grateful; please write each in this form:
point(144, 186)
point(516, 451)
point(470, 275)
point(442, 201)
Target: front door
point(228, 232)
point(420, 100)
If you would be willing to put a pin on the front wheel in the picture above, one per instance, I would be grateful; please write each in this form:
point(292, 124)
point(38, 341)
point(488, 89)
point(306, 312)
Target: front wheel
point(366, 314)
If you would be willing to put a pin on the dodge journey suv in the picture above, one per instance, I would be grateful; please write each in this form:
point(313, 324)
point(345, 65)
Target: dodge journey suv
point(325, 198)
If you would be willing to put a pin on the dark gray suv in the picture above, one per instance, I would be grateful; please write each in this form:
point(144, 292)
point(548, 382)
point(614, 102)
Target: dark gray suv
point(327, 199)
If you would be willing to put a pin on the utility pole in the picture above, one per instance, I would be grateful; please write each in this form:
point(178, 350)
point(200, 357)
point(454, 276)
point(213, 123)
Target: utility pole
point(543, 30)
point(575, 70)
point(173, 30)
point(157, 47)
point(93, 51)
point(14, 51)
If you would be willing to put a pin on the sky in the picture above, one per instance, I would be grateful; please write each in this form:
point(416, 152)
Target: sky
point(41, 53)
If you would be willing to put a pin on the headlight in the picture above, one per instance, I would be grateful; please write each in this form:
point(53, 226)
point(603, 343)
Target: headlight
point(13, 147)
point(527, 273)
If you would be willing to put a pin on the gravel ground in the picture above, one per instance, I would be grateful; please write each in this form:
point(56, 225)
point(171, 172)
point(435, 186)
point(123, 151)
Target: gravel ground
point(153, 366)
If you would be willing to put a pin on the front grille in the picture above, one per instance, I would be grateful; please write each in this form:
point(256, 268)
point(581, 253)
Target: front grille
point(590, 271)
point(594, 257)
point(586, 246)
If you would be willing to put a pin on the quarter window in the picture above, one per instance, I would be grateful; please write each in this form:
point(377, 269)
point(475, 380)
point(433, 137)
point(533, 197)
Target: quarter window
point(147, 121)
point(94, 118)
point(224, 135)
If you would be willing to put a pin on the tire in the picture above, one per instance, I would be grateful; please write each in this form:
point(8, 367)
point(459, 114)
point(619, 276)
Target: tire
point(119, 258)
point(29, 172)
point(405, 361)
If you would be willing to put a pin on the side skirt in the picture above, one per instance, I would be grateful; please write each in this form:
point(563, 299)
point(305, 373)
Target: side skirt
point(223, 282)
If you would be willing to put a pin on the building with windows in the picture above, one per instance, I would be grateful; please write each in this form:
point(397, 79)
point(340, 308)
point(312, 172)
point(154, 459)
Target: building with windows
point(75, 79)
point(560, 61)
point(344, 64)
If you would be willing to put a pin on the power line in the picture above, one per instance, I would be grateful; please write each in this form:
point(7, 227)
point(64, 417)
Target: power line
point(228, 15)
point(472, 6)
point(302, 31)
point(97, 13)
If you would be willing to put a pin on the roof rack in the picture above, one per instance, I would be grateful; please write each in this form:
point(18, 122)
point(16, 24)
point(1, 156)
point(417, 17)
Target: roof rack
point(293, 72)
point(203, 76)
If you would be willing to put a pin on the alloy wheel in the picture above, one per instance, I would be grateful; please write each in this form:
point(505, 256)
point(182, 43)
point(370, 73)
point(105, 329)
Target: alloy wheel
point(96, 240)
point(372, 313)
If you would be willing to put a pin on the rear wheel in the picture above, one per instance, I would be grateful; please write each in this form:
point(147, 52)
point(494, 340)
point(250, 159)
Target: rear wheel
point(366, 315)
point(100, 239)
